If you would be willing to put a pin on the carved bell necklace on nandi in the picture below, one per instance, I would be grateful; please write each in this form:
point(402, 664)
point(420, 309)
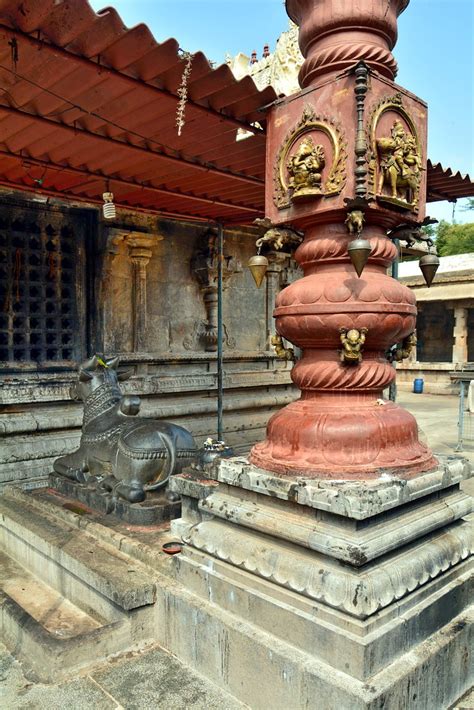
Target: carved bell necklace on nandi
point(120, 452)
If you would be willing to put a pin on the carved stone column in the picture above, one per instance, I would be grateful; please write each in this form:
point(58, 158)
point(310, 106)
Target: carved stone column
point(140, 251)
point(460, 334)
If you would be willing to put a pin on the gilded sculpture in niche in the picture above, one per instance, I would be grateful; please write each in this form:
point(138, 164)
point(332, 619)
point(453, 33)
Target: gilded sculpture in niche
point(352, 341)
point(301, 160)
point(395, 162)
point(304, 169)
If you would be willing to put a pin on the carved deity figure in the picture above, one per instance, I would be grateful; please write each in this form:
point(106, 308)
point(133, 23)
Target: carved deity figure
point(304, 168)
point(352, 343)
point(400, 164)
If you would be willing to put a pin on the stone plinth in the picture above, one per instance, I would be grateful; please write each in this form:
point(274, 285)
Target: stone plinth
point(370, 581)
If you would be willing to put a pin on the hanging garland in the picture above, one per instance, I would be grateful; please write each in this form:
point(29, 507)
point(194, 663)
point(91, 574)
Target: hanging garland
point(183, 92)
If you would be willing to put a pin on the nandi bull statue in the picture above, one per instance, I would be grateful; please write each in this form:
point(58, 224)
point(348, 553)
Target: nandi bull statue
point(123, 453)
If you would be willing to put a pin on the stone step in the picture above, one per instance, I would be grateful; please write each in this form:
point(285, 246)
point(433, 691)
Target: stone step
point(49, 634)
point(69, 559)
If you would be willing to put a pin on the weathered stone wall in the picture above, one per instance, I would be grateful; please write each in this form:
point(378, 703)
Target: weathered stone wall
point(173, 374)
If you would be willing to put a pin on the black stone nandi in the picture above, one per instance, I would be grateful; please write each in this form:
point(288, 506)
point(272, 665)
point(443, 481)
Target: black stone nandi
point(123, 453)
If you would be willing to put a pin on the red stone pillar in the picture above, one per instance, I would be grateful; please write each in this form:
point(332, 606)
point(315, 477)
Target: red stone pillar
point(345, 137)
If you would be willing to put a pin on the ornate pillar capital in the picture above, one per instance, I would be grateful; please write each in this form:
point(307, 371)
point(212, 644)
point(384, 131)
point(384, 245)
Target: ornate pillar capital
point(140, 246)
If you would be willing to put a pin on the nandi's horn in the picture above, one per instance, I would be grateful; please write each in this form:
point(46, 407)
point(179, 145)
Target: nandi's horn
point(85, 375)
point(90, 364)
point(113, 363)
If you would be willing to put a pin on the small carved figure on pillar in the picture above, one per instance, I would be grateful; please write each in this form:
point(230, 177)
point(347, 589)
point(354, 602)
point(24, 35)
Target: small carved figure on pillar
point(406, 348)
point(281, 352)
point(352, 343)
point(400, 164)
point(305, 168)
point(355, 222)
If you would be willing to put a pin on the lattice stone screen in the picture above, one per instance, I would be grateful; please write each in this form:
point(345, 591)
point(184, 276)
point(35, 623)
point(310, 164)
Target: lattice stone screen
point(41, 288)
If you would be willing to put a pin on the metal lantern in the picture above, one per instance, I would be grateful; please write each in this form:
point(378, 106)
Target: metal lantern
point(359, 250)
point(108, 208)
point(429, 264)
point(258, 266)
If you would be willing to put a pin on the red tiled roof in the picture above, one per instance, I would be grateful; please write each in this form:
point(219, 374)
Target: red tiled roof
point(89, 98)
point(443, 184)
point(84, 99)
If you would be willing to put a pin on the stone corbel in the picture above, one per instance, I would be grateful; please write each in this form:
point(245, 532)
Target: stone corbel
point(204, 264)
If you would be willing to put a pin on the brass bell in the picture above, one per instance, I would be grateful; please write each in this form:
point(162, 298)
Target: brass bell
point(429, 264)
point(359, 250)
point(258, 266)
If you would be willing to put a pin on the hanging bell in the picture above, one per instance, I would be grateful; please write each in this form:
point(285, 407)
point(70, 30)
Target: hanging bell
point(429, 264)
point(359, 250)
point(108, 208)
point(258, 266)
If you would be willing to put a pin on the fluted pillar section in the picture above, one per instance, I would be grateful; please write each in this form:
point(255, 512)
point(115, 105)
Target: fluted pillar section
point(336, 34)
point(341, 425)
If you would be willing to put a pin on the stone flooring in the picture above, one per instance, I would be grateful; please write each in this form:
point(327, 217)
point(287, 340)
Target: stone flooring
point(153, 679)
point(147, 680)
point(437, 417)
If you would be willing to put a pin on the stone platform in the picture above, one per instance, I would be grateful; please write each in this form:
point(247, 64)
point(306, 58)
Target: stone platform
point(257, 602)
point(154, 510)
point(366, 585)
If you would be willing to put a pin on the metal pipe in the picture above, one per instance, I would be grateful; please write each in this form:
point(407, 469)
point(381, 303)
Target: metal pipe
point(392, 390)
point(220, 328)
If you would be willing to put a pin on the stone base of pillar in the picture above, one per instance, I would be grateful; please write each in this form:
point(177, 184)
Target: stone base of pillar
point(351, 594)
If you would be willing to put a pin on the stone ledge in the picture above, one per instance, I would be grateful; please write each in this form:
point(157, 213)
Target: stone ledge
point(355, 544)
point(351, 645)
point(358, 592)
point(352, 499)
point(104, 569)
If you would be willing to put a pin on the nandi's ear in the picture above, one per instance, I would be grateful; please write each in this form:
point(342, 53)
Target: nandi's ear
point(113, 363)
point(124, 375)
point(85, 375)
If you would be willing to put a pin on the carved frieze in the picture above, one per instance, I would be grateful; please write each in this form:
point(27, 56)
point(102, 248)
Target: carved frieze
point(395, 155)
point(311, 161)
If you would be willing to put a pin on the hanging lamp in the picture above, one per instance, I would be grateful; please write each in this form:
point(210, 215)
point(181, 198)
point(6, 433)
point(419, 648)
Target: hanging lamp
point(429, 265)
point(359, 251)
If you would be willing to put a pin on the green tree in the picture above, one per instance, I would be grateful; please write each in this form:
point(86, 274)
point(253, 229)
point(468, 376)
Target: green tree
point(454, 238)
point(469, 206)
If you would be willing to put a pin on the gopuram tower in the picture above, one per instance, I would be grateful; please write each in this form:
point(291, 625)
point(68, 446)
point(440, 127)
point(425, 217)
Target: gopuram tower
point(335, 559)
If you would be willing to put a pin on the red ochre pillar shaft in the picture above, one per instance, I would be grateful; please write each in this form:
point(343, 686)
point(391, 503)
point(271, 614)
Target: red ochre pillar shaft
point(372, 135)
point(341, 427)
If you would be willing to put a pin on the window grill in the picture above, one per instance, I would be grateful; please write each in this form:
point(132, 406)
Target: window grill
point(41, 269)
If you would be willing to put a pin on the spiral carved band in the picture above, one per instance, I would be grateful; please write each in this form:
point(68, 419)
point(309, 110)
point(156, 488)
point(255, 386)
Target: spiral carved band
point(344, 56)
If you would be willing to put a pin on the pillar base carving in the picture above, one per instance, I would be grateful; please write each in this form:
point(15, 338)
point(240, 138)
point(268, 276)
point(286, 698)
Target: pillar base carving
point(321, 438)
point(358, 592)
